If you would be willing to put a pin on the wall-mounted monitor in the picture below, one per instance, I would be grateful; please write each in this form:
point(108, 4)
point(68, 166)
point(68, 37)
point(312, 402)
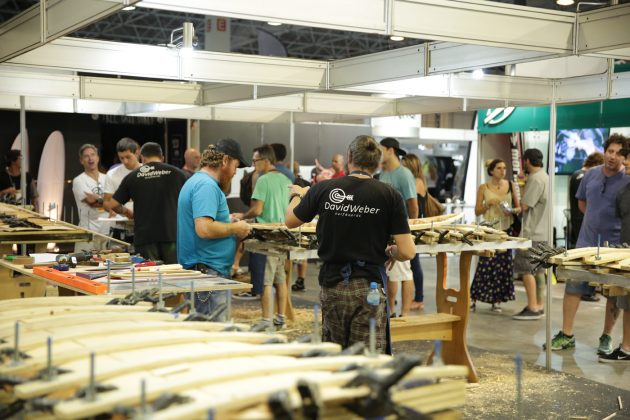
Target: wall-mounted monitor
point(573, 146)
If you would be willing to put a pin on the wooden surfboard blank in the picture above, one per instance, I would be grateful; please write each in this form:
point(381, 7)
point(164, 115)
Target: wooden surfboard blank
point(27, 314)
point(67, 351)
point(579, 253)
point(237, 395)
point(38, 338)
point(609, 257)
point(12, 304)
point(114, 364)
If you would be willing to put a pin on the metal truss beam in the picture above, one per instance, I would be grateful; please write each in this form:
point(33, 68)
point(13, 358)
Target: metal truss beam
point(50, 20)
point(602, 30)
point(104, 57)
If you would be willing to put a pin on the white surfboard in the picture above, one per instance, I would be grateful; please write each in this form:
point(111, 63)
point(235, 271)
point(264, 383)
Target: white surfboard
point(50, 178)
point(17, 145)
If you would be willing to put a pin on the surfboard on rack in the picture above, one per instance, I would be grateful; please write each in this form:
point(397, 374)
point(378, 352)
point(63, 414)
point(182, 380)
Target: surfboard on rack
point(69, 350)
point(51, 176)
point(50, 302)
point(180, 377)
point(143, 359)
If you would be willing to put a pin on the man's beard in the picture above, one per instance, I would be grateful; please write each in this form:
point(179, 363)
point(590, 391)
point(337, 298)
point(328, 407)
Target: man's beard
point(225, 182)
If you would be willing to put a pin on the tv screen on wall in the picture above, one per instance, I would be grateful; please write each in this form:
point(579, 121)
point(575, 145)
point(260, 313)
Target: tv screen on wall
point(573, 146)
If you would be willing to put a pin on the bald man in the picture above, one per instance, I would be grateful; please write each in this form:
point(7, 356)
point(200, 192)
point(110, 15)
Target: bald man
point(192, 157)
point(338, 166)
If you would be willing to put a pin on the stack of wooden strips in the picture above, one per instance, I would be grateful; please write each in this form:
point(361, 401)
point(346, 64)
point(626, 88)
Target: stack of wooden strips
point(123, 362)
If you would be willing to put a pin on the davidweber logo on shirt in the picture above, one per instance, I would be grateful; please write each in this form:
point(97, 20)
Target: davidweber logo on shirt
point(338, 195)
point(147, 171)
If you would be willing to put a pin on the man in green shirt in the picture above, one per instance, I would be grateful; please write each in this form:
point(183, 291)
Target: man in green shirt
point(270, 200)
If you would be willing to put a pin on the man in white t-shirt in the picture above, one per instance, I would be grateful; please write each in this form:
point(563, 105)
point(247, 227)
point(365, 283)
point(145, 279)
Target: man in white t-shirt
point(128, 152)
point(87, 188)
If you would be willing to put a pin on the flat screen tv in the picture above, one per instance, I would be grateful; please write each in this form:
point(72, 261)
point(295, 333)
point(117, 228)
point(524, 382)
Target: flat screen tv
point(573, 146)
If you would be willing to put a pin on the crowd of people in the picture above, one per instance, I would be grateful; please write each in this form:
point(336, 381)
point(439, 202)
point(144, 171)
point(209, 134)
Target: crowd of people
point(182, 216)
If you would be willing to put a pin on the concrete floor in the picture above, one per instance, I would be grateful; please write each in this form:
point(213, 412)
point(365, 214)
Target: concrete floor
point(498, 333)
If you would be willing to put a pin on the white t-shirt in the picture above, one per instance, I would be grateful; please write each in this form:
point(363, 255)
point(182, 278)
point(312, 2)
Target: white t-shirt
point(88, 216)
point(114, 178)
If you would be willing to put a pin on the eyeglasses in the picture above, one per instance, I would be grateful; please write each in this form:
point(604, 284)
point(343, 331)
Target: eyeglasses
point(604, 185)
point(257, 160)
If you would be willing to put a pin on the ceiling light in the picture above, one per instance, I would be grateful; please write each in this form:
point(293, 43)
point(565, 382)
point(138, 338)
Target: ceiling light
point(397, 38)
point(129, 8)
point(477, 74)
point(274, 23)
point(564, 2)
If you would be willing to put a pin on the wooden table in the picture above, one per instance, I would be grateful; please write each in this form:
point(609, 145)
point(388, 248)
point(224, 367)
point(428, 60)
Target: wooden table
point(452, 304)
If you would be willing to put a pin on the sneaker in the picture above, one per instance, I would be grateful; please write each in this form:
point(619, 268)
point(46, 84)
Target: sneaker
point(298, 286)
point(605, 345)
point(617, 356)
point(561, 342)
point(262, 325)
point(527, 315)
point(497, 309)
point(590, 298)
point(279, 323)
point(245, 296)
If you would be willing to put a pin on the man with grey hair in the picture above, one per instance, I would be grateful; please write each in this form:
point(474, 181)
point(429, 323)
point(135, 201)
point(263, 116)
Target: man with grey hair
point(354, 256)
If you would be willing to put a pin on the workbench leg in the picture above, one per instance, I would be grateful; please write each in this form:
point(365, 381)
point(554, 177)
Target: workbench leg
point(288, 309)
point(456, 302)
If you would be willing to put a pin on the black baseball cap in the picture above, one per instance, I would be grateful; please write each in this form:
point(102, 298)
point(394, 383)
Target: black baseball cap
point(393, 143)
point(231, 148)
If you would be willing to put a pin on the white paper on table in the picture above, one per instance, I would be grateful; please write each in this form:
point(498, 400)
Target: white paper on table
point(117, 218)
point(43, 257)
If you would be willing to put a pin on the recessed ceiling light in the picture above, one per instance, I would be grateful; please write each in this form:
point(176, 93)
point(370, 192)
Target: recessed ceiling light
point(129, 8)
point(564, 2)
point(274, 23)
point(397, 38)
point(478, 74)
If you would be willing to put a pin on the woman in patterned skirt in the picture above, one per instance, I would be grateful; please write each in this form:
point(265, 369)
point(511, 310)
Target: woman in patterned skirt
point(498, 202)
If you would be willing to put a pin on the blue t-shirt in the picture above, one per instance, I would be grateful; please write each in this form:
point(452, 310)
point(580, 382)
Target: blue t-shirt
point(402, 180)
point(286, 171)
point(201, 196)
point(599, 192)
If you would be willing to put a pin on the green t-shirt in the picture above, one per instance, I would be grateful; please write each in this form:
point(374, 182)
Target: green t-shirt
point(273, 190)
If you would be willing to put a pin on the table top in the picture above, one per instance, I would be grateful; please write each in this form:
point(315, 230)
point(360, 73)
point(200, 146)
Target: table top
point(296, 253)
point(580, 274)
point(202, 283)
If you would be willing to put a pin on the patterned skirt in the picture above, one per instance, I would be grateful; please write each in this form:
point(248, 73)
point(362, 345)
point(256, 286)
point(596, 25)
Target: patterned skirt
point(493, 281)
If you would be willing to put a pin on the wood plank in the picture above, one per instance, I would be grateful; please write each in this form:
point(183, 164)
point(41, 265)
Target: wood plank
point(438, 326)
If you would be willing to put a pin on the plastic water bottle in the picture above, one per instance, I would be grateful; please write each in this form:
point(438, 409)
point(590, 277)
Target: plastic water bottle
point(373, 297)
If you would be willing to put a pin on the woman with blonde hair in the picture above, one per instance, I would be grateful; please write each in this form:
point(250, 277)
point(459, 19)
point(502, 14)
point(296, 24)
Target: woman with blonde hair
point(497, 201)
point(412, 162)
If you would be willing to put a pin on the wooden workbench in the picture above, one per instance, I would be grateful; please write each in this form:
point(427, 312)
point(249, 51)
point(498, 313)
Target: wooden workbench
point(453, 303)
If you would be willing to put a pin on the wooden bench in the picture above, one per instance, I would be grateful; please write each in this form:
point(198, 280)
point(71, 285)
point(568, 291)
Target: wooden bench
point(423, 327)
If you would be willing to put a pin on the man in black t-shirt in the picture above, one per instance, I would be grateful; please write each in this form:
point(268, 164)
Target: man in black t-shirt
point(154, 188)
point(357, 217)
point(11, 178)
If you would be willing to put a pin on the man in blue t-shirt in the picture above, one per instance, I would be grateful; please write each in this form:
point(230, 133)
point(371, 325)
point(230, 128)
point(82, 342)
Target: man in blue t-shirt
point(596, 199)
point(403, 181)
point(206, 240)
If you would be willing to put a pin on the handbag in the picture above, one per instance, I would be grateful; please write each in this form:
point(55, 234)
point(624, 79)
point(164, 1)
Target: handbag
point(433, 206)
point(516, 226)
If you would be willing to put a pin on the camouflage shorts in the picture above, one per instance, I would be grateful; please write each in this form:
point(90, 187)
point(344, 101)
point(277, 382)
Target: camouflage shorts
point(346, 314)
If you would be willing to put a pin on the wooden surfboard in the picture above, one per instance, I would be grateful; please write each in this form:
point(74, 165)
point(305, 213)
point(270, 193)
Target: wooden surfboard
point(12, 304)
point(67, 351)
point(50, 178)
point(184, 376)
point(124, 362)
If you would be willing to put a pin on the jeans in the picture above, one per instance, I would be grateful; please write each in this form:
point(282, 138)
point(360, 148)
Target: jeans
point(418, 278)
point(257, 264)
point(207, 303)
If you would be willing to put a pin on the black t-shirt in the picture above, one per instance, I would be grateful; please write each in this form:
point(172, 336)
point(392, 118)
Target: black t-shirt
point(8, 181)
point(154, 189)
point(356, 219)
point(574, 184)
